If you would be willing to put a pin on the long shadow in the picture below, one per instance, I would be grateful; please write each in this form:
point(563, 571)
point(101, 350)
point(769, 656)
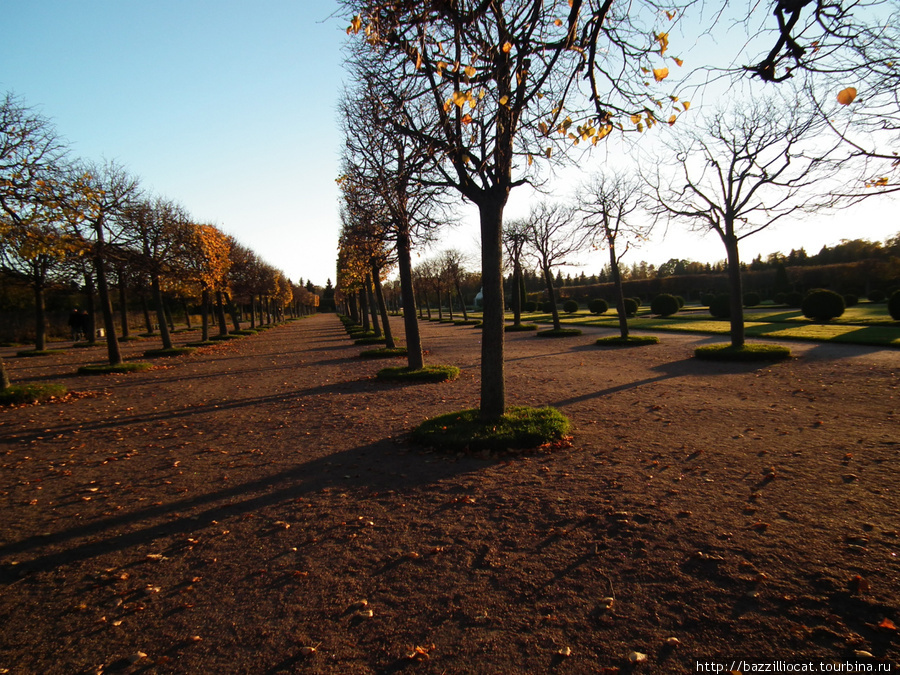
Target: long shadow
point(689, 367)
point(150, 524)
point(351, 386)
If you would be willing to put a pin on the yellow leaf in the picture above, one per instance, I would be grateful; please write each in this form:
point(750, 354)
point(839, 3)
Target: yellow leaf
point(646, 71)
point(481, 94)
point(663, 40)
point(543, 127)
point(635, 119)
point(507, 47)
point(671, 15)
point(558, 22)
point(466, 119)
point(672, 120)
point(459, 98)
point(548, 152)
point(530, 160)
point(659, 74)
point(686, 104)
point(678, 61)
point(504, 100)
point(470, 71)
point(846, 96)
point(640, 127)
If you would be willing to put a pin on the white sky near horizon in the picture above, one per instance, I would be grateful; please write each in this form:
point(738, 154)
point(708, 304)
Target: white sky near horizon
point(230, 108)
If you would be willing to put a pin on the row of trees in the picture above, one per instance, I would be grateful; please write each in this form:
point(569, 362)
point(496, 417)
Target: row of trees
point(65, 220)
point(477, 97)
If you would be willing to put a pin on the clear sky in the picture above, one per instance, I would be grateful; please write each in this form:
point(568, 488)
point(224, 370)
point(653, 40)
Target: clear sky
point(229, 107)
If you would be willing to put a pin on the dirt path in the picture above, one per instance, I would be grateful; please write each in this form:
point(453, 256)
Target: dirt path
point(224, 511)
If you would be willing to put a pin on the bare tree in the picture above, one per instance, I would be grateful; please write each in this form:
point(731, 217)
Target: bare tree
point(486, 87)
point(610, 204)
point(515, 236)
point(742, 170)
point(552, 237)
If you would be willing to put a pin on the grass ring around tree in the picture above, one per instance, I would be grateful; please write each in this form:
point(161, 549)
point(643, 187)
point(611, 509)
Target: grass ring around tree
point(164, 353)
point(226, 336)
point(522, 327)
point(106, 369)
point(744, 353)
point(465, 322)
point(426, 374)
point(630, 341)
point(383, 353)
point(202, 343)
point(561, 333)
point(369, 340)
point(19, 394)
point(520, 428)
point(28, 353)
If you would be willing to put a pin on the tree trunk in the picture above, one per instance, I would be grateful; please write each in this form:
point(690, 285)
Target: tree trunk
point(4, 377)
point(618, 290)
point(379, 297)
point(517, 293)
point(148, 322)
point(232, 310)
point(440, 305)
point(40, 327)
point(220, 314)
point(112, 344)
point(373, 309)
point(462, 302)
point(252, 312)
point(427, 305)
point(90, 328)
point(160, 311)
point(187, 313)
point(364, 310)
point(168, 311)
point(204, 315)
point(737, 291)
point(493, 386)
point(123, 307)
point(554, 311)
point(450, 304)
point(414, 357)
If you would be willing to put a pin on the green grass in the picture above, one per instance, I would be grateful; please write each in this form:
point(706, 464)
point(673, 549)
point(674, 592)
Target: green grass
point(630, 341)
point(426, 374)
point(227, 336)
point(383, 353)
point(745, 353)
point(18, 394)
point(244, 331)
point(561, 333)
point(369, 340)
point(519, 428)
point(163, 353)
point(131, 338)
point(202, 343)
point(465, 322)
point(106, 369)
point(28, 353)
point(513, 328)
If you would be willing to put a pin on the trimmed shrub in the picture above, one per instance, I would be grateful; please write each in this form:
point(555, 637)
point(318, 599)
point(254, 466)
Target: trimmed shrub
point(877, 296)
point(850, 299)
point(630, 341)
point(513, 328)
point(547, 307)
point(529, 306)
point(19, 394)
point(894, 306)
point(561, 333)
point(598, 306)
point(751, 299)
point(707, 299)
point(680, 301)
point(794, 299)
point(631, 307)
point(426, 374)
point(822, 305)
point(637, 300)
point(664, 304)
point(780, 298)
point(570, 306)
point(720, 307)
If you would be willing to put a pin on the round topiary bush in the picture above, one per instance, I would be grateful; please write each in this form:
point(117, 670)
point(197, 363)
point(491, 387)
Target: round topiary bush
point(664, 304)
point(680, 301)
point(720, 307)
point(894, 306)
point(794, 299)
point(637, 300)
point(876, 296)
point(570, 306)
point(850, 299)
point(547, 307)
point(530, 306)
point(631, 307)
point(707, 299)
point(751, 299)
point(822, 305)
point(780, 298)
point(598, 306)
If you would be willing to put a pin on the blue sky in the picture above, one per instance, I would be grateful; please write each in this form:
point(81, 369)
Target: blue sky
point(230, 109)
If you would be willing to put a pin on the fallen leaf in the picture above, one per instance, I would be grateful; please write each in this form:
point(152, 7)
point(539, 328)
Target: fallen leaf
point(887, 624)
point(637, 657)
point(565, 651)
